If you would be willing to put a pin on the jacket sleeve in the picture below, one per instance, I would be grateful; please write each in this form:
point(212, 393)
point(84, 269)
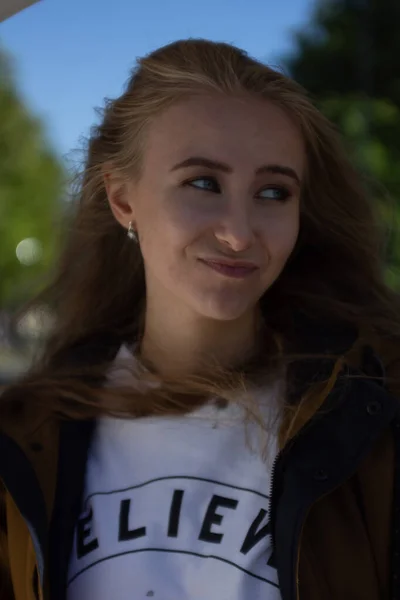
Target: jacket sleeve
point(6, 588)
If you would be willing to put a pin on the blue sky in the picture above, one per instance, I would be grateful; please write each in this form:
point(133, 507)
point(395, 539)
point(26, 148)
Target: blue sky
point(71, 54)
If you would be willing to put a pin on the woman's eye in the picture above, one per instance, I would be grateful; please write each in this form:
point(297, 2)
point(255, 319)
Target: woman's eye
point(204, 183)
point(279, 194)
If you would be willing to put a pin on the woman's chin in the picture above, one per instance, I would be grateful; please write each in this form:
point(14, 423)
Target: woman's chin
point(226, 310)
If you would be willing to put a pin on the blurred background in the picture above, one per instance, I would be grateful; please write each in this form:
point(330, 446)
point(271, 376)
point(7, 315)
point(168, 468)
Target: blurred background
point(59, 59)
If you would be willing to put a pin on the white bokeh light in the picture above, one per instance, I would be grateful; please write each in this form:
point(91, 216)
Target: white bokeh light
point(29, 251)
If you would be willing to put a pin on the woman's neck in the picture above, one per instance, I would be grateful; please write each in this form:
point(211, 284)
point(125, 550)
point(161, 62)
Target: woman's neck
point(177, 344)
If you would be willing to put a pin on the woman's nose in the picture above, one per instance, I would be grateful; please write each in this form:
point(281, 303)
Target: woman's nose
point(235, 230)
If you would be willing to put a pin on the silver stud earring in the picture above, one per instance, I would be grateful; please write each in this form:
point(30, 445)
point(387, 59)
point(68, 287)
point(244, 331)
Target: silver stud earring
point(132, 233)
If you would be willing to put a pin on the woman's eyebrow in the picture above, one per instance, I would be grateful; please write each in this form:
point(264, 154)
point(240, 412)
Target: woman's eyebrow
point(201, 161)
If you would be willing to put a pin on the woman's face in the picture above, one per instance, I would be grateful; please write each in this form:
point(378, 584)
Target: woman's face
point(217, 206)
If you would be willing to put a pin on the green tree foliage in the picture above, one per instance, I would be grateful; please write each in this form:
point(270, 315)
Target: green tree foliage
point(350, 46)
point(31, 180)
point(348, 58)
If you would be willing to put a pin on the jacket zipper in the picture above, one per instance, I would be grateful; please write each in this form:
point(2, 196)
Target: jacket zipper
point(272, 501)
point(272, 494)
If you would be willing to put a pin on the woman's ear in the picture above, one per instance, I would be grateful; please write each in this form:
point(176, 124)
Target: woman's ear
point(119, 195)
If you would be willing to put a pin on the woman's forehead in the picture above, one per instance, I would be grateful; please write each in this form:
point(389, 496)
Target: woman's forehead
point(226, 129)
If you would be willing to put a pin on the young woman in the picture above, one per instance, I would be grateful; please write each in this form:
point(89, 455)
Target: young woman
point(216, 413)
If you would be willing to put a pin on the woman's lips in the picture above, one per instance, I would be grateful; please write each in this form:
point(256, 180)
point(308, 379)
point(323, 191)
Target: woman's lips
point(237, 271)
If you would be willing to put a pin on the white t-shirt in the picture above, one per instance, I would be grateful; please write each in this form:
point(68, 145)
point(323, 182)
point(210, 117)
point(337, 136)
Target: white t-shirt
point(176, 509)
